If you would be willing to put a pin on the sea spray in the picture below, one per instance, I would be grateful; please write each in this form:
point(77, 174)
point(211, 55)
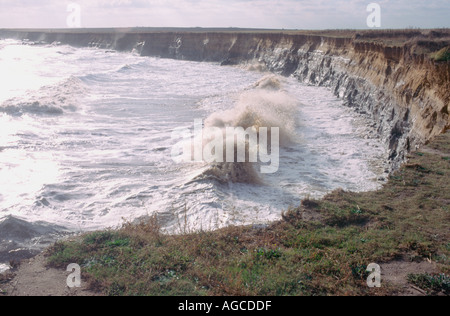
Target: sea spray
point(231, 141)
point(265, 105)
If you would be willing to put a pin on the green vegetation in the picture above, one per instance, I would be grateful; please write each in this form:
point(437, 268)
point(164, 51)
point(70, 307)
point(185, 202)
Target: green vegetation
point(442, 55)
point(320, 248)
point(432, 283)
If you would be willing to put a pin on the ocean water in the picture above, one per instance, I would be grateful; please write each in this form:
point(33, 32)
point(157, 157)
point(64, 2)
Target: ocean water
point(86, 143)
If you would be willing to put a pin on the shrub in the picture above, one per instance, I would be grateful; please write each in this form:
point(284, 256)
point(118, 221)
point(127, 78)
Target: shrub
point(442, 55)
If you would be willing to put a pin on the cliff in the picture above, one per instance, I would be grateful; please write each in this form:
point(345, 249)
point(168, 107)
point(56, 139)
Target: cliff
point(389, 75)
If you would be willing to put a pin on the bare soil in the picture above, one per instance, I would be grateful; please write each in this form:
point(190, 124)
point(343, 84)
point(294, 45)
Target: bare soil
point(396, 273)
point(33, 278)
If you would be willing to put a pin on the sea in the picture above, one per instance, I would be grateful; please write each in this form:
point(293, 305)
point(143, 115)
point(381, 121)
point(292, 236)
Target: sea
point(87, 143)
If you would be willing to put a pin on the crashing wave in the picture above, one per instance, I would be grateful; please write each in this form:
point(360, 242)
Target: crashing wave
point(269, 82)
point(48, 100)
point(266, 105)
point(31, 108)
point(20, 239)
point(234, 172)
point(125, 68)
point(255, 66)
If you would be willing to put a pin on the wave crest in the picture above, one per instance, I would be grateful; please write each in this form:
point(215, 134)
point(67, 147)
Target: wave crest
point(266, 105)
point(269, 82)
point(48, 100)
point(256, 66)
point(241, 172)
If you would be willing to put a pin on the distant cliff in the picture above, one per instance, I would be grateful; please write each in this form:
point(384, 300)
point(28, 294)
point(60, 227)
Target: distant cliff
point(388, 75)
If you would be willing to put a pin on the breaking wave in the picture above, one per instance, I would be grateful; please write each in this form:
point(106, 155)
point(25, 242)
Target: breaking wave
point(256, 67)
point(239, 172)
point(269, 82)
point(47, 101)
point(125, 68)
point(26, 239)
point(266, 104)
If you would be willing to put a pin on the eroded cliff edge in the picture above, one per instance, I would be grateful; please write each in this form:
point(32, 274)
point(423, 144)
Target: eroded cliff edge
point(390, 76)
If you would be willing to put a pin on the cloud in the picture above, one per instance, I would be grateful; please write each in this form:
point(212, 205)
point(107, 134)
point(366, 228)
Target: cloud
point(290, 14)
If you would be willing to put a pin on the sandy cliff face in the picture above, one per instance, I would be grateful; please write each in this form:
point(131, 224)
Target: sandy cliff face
point(405, 92)
point(407, 95)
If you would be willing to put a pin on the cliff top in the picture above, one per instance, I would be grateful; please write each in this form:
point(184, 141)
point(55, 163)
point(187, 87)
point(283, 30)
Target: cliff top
point(425, 40)
point(346, 33)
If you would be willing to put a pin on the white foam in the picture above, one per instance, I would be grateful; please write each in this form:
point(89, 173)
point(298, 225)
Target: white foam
point(4, 268)
point(90, 169)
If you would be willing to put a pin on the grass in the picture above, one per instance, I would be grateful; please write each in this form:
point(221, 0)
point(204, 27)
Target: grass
point(431, 283)
point(442, 55)
point(329, 256)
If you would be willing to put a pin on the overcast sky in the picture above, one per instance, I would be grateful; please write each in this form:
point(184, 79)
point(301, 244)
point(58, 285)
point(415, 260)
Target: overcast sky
point(288, 14)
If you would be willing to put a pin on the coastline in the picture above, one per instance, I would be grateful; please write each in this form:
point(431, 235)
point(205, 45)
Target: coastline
point(324, 244)
point(320, 248)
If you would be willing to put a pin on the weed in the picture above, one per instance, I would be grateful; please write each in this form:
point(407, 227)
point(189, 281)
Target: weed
point(268, 254)
point(431, 283)
point(442, 55)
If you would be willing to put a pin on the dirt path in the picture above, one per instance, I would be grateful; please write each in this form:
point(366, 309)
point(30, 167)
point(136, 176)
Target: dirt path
point(33, 278)
point(396, 274)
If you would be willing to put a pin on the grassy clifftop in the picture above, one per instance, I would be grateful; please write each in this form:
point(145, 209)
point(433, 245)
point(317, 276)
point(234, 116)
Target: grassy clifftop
point(320, 248)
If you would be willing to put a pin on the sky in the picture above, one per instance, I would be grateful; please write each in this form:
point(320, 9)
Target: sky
point(276, 14)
